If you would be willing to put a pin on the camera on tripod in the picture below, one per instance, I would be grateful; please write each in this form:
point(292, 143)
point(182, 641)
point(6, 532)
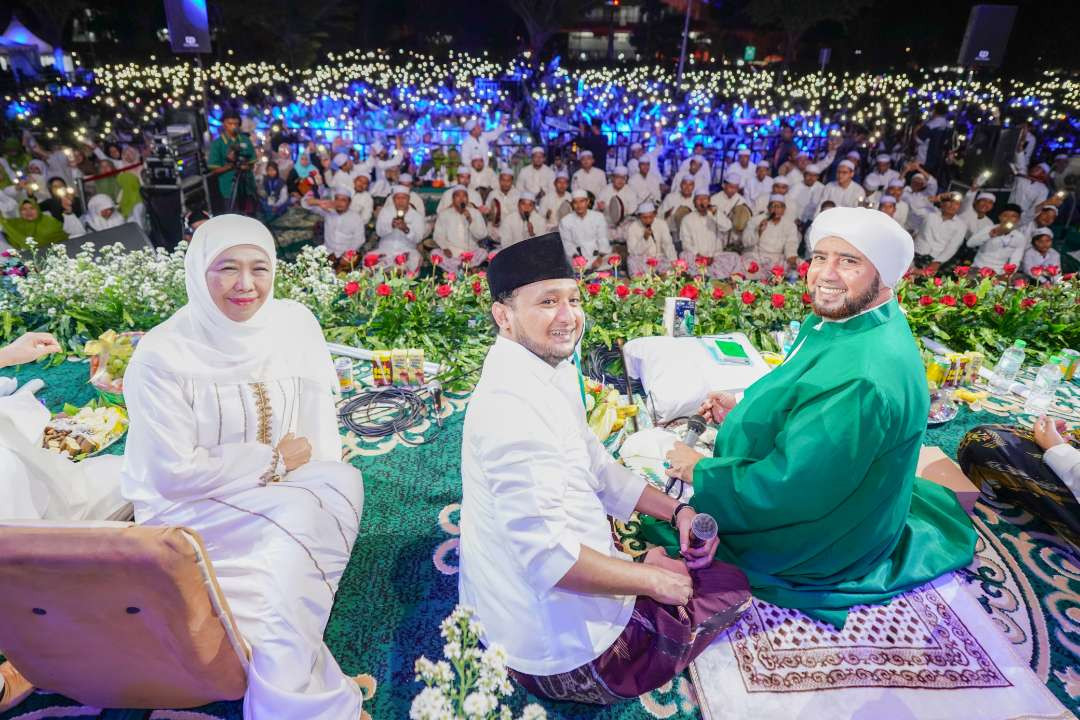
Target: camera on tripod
point(174, 157)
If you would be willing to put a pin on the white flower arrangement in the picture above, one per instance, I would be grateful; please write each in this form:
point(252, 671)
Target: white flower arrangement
point(470, 683)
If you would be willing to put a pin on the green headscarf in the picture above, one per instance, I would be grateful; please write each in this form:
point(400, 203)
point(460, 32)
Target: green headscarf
point(46, 230)
point(129, 193)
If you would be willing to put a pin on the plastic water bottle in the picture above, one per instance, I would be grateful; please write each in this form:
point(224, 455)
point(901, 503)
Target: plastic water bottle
point(1043, 389)
point(790, 335)
point(1007, 367)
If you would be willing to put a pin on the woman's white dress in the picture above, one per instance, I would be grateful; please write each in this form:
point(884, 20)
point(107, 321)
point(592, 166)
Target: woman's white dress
point(201, 455)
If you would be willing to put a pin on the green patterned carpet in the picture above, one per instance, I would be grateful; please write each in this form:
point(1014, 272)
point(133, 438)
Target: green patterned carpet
point(402, 582)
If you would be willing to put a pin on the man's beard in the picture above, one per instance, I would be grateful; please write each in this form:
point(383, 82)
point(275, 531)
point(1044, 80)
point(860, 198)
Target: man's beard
point(852, 305)
point(542, 351)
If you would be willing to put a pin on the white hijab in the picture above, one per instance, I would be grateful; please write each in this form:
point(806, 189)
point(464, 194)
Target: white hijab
point(283, 339)
point(94, 208)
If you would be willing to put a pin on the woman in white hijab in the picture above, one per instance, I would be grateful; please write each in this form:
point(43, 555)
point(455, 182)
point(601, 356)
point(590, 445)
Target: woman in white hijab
point(101, 213)
point(234, 433)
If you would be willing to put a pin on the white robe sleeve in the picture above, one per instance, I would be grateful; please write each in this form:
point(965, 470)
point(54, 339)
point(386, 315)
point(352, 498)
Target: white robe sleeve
point(73, 226)
point(318, 422)
point(162, 459)
point(1064, 460)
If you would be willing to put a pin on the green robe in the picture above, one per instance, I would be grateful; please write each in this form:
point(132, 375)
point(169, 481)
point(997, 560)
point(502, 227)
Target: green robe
point(46, 230)
point(813, 481)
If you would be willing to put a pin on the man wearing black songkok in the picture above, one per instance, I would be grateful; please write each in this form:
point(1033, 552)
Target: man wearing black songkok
point(579, 620)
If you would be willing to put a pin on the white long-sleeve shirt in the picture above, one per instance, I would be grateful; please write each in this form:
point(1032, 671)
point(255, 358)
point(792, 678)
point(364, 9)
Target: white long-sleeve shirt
point(626, 195)
point(379, 166)
point(480, 146)
point(1033, 258)
point(843, 197)
point(878, 181)
point(1064, 460)
point(484, 177)
point(447, 199)
point(457, 234)
point(705, 235)
point(646, 187)
point(777, 239)
point(363, 205)
point(754, 188)
point(997, 252)
point(586, 236)
point(536, 180)
point(513, 229)
point(393, 241)
point(659, 245)
point(593, 181)
point(534, 492)
point(940, 238)
point(1029, 195)
point(341, 231)
point(549, 208)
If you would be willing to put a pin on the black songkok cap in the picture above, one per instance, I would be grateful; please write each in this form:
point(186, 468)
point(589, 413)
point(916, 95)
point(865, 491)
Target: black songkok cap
point(532, 260)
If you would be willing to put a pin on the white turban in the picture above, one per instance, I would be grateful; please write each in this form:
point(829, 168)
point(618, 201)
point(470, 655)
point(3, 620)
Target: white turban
point(579, 195)
point(876, 235)
point(340, 159)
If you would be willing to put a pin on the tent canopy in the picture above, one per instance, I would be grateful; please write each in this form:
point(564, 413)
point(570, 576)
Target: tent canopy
point(16, 32)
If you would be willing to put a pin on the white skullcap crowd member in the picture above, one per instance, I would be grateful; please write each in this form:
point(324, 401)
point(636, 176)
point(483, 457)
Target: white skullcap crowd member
point(536, 177)
point(524, 221)
point(584, 232)
point(771, 239)
point(400, 229)
point(649, 244)
point(844, 191)
point(1041, 255)
point(618, 201)
point(705, 236)
point(588, 177)
point(476, 142)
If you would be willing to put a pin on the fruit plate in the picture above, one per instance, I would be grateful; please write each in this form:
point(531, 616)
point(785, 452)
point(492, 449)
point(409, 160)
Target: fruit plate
point(110, 387)
point(79, 433)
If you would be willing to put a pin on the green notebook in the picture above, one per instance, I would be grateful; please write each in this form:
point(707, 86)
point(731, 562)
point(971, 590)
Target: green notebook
point(732, 349)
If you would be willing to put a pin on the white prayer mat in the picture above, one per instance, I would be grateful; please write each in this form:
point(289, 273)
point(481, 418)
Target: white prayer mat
point(931, 654)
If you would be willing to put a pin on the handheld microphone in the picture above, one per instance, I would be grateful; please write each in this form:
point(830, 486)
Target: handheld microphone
point(702, 530)
point(435, 388)
point(695, 426)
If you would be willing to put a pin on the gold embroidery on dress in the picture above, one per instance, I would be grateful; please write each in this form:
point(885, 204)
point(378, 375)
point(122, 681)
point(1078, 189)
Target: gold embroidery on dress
point(265, 411)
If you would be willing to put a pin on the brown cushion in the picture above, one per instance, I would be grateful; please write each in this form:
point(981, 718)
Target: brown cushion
point(116, 615)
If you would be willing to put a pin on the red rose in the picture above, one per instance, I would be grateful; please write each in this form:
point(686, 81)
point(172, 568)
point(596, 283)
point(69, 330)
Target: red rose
point(401, 259)
point(679, 265)
point(986, 272)
point(778, 300)
point(649, 292)
point(411, 274)
point(806, 298)
point(689, 291)
point(481, 274)
point(477, 287)
point(777, 271)
point(638, 291)
point(349, 256)
point(437, 259)
point(948, 300)
point(1020, 283)
point(351, 288)
point(652, 262)
point(1010, 268)
point(443, 290)
point(410, 296)
point(371, 259)
point(1037, 271)
point(622, 291)
point(926, 301)
point(962, 270)
point(937, 282)
point(492, 254)
point(383, 289)
point(1052, 270)
point(593, 288)
point(970, 299)
point(466, 257)
point(804, 267)
point(999, 308)
point(603, 275)
point(1028, 303)
point(615, 260)
point(579, 262)
point(718, 293)
point(748, 297)
point(753, 267)
point(701, 261)
point(451, 277)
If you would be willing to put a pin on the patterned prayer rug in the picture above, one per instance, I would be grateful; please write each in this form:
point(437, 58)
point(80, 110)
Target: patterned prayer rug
point(402, 579)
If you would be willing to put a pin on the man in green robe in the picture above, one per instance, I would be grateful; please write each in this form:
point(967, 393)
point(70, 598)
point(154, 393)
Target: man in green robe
point(232, 153)
point(812, 482)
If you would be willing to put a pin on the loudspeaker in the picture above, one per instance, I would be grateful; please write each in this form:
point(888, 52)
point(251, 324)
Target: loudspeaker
point(987, 35)
point(130, 235)
point(189, 28)
point(991, 148)
point(166, 221)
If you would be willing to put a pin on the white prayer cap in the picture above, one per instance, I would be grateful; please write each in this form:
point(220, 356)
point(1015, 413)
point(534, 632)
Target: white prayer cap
point(918, 176)
point(537, 149)
point(620, 170)
point(1044, 166)
point(643, 160)
point(896, 182)
point(887, 200)
point(802, 155)
point(781, 180)
point(814, 169)
point(695, 159)
point(1061, 156)
point(646, 207)
point(986, 196)
point(399, 190)
point(1042, 231)
point(636, 146)
point(846, 163)
point(883, 158)
point(464, 170)
point(405, 178)
point(505, 170)
point(777, 197)
point(854, 155)
point(579, 195)
point(764, 164)
point(733, 177)
point(562, 174)
point(876, 235)
point(585, 154)
point(470, 124)
point(343, 191)
point(377, 147)
point(743, 151)
point(340, 159)
point(1048, 206)
point(686, 178)
point(701, 191)
point(526, 195)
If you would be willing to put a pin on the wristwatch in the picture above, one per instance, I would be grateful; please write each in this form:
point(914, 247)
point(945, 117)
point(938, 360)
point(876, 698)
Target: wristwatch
point(675, 514)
